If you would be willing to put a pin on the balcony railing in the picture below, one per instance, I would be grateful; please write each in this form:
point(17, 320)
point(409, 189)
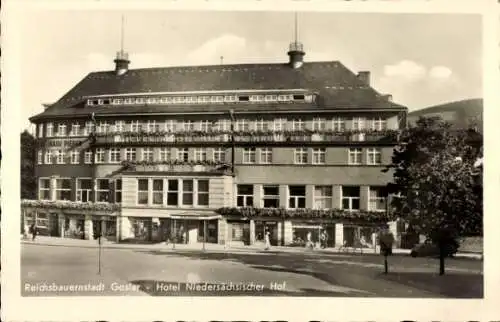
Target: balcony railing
point(177, 166)
point(255, 137)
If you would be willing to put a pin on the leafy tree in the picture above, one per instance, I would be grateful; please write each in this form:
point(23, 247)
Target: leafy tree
point(28, 181)
point(436, 183)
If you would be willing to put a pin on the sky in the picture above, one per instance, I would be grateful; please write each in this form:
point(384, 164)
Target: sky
point(421, 59)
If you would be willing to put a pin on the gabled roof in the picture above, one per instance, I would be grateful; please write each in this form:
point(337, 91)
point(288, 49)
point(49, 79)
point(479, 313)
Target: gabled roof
point(337, 86)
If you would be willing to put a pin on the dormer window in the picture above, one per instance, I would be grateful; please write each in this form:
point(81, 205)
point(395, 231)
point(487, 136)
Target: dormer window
point(150, 100)
point(299, 97)
point(244, 98)
point(105, 102)
point(309, 98)
point(139, 100)
point(164, 100)
point(230, 98)
point(129, 101)
point(117, 101)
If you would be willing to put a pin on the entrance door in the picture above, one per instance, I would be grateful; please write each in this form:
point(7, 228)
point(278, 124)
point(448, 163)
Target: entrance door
point(54, 225)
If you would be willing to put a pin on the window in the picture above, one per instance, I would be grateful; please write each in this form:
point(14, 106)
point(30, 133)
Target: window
point(203, 193)
point(75, 129)
point(60, 156)
point(130, 154)
point(188, 126)
point(261, 125)
point(147, 154)
point(204, 126)
point(48, 157)
point(40, 130)
point(61, 130)
point(374, 156)
point(99, 155)
point(134, 126)
point(219, 155)
point(169, 126)
point(40, 157)
point(297, 196)
point(338, 124)
point(266, 155)
point(182, 154)
point(271, 196)
point(83, 190)
point(297, 125)
point(118, 190)
point(222, 125)
point(323, 197)
point(50, 129)
point(242, 125)
point(44, 189)
point(89, 128)
point(350, 198)
point(75, 157)
point(152, 126)
point(172, 192)
point(187, 192)
point(87, 157)
point(279, 124)
point(355, 156)
point(114, 155)
point(63, 189)
point(319, 156)
point(377, 199)
point(244, 195)
point(378, 124)
point(102, 191)
point(103, 127)
point(142, 191)
point(200, 154)
point(164, 154)
point(358, 123)
point(300, 156)
point(249, 155)
point(158, 191)
point(119, 126)
point(318, 124)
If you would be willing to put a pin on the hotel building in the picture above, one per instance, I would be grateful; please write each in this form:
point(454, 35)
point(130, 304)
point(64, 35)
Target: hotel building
point(216, 154)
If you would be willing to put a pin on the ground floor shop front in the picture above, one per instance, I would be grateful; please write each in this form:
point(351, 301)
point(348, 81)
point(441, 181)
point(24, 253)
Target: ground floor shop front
point(199, 228)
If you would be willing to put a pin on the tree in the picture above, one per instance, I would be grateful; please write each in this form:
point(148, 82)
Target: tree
point(436, 183)
point(28, 181)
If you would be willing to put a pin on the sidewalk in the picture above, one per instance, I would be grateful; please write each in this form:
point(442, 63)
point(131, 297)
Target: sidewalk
point(68, 242)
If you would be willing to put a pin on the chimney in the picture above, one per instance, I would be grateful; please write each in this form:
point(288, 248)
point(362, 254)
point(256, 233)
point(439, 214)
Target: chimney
point(296, 54)
point(364, 76)
point(121, 63)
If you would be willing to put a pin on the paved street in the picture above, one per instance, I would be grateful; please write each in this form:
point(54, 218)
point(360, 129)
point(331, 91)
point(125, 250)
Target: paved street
point(142, 272)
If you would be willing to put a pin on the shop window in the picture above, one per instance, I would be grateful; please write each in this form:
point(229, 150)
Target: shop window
point(377, 200)
point(118, 190)
point(249, 155)
point(44, 189)
point(142, 191)
point(319, 156)
point(42, 221)
point(355, 156)
point(102, 190)
point(374, 156)
point(271, 197)
point(63, 189)
point(350, 198)
point(173, 192)
point(203, 192)
point(297, 196)
point(158, 191)
point(323, 197)
point(187, 192)
point(83, 190)
point(244, 195)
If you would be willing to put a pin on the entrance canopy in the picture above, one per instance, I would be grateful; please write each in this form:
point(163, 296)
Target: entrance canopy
point(194, 216)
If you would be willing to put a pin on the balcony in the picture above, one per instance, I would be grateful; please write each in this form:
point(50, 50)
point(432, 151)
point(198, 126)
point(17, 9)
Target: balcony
point(300, 136)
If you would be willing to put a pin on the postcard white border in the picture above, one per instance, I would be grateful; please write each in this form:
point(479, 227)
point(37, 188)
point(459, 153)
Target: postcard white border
point(156, 308)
